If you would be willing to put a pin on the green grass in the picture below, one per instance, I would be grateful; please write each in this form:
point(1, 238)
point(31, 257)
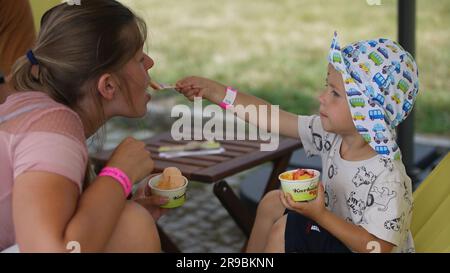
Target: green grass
point(277, 49)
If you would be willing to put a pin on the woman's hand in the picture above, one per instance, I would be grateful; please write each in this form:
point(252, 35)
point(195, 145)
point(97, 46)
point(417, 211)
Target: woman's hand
point(152, 203)
point(201, 87)
point(313, 209)
point(131, 157)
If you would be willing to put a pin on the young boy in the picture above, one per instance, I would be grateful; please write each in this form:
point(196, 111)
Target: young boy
point(364, 202)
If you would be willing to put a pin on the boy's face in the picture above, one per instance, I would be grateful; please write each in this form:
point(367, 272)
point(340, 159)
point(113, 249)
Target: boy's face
point(334, 110)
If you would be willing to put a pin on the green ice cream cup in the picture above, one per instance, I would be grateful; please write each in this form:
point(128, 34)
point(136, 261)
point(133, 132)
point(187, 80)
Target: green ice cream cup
point(176, 197)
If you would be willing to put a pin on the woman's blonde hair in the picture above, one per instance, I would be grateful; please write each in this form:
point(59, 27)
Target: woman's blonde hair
point(75, 46)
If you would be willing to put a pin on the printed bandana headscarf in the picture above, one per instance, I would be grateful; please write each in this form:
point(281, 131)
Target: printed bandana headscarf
point(381, 81)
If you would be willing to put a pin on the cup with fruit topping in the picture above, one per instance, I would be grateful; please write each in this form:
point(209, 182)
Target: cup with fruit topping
point(301, 184)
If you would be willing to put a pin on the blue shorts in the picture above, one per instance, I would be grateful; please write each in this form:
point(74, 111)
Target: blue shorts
point(303, 235)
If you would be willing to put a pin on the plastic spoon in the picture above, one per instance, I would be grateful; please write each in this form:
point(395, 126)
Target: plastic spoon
point(160, 86)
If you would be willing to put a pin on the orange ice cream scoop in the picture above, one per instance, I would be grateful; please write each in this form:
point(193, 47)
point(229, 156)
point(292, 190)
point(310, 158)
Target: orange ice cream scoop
point(176, 181)
point(164, 185)
point(171, 171)
point(171, 178)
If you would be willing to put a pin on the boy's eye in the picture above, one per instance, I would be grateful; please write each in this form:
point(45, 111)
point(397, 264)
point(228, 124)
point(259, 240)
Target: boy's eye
point(335, 93)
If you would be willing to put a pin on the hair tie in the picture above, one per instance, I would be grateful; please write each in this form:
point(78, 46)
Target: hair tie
point(32, 58)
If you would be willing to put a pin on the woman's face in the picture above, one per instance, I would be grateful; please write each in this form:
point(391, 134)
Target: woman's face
point(136, 76)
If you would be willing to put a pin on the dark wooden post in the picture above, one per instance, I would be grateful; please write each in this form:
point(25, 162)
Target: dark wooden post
point(407, 38)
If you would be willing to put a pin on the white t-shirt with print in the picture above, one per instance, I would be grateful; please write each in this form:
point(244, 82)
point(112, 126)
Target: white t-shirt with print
point(375, 194)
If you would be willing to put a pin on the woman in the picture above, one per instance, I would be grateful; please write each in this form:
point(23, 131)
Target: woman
point(86, 67)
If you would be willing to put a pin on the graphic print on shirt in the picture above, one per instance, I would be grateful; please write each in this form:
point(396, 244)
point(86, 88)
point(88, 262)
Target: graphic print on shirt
point(317, 140)
point(363, 177)
point(406, 195)
point(329, 196)
point(380, 197)
point(387, 163)
point(332, 171)
point(327, 143)
point(357, 206)
point(395, 224)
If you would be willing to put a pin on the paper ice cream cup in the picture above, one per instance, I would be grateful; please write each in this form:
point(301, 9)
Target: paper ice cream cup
point(176, 197)
point(301, 190)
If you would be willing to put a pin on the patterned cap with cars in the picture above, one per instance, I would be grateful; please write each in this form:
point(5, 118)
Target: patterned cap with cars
point(381, 81)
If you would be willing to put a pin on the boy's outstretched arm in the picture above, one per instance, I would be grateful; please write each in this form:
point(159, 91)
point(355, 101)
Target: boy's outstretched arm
point(215, 92)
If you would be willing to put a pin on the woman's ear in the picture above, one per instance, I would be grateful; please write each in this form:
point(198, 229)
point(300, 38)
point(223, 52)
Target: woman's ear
point(107, 86)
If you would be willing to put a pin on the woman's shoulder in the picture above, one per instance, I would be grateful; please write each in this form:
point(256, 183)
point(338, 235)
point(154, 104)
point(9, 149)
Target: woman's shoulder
point(16, 97)
point(25, 112)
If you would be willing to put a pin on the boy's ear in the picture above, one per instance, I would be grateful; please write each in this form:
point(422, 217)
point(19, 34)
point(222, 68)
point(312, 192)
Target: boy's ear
point(107, 86)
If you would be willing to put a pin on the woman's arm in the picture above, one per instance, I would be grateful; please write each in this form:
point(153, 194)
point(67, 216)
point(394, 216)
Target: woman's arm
point(48, 212)
point(215, 92)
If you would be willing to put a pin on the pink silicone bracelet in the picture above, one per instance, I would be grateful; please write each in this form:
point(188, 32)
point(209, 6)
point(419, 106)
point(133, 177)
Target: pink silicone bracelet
point(226, 103)
point(119, 176)
point(223, 105)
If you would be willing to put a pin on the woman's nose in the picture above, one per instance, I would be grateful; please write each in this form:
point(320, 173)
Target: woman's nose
point(148, 62)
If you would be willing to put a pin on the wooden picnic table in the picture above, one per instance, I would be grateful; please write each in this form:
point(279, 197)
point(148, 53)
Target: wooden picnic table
point(239, 155)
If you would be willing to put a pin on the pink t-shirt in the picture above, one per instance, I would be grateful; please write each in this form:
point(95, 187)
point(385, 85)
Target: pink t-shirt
point(36, 134)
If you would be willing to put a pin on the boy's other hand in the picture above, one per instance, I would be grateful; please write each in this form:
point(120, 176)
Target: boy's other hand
point(313, 209)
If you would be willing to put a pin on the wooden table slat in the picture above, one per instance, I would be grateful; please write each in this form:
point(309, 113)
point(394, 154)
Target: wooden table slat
point(188, 161)
point(235, 148)
point(244, 143)
point(186, 170)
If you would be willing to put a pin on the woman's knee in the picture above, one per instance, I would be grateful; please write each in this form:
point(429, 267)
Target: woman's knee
point(135, 231)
